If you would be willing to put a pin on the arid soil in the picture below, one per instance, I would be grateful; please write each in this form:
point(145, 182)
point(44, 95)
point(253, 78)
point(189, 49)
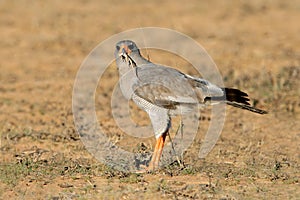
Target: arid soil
point(255, 45)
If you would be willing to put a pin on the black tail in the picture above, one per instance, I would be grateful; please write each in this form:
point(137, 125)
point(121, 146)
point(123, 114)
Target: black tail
point(236, 98)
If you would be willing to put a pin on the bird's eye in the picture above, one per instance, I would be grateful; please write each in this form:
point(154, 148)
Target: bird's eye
point(130, 46)
point(118, 48)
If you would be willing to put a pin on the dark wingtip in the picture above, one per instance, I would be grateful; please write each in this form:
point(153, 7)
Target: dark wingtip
point(235, 95)
point(236, 98)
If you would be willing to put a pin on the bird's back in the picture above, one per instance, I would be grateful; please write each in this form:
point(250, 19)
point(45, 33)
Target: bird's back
point(164, 86)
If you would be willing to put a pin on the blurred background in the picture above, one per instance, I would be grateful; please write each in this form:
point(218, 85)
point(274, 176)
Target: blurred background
point(255, 45)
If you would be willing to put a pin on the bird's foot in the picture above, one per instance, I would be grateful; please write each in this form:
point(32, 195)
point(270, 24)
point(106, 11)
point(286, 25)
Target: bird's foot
point(146, 169)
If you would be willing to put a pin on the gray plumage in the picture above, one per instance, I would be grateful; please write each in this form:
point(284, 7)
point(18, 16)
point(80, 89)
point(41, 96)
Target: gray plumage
point(162, 91)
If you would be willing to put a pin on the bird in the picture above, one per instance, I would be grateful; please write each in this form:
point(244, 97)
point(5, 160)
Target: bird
point(162, 92)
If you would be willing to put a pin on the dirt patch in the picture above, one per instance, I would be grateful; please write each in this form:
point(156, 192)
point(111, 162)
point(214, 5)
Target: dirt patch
point(254, 45)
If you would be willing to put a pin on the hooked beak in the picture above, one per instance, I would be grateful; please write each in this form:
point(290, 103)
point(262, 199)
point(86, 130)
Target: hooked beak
point(124, 51)
point(124, 54)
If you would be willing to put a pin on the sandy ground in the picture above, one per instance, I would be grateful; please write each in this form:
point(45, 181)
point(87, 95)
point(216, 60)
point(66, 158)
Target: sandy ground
point(43, 43)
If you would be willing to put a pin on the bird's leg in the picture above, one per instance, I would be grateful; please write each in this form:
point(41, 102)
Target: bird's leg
point(160, 148)
point(160, 142)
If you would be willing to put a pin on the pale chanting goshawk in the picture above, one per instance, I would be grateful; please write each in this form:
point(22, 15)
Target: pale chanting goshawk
point(163, 91)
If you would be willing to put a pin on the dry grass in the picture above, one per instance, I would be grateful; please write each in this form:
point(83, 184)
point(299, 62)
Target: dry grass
point(254, 45)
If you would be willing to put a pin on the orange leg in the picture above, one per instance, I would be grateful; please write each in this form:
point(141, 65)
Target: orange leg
point(160, 142)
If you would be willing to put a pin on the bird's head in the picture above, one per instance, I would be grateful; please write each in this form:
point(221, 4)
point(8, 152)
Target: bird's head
point(126, 47)
point(128, 56)
point(126, 51)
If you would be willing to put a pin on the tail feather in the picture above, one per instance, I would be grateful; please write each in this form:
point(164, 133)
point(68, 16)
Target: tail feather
point(235, 95)
point(236, 98)
point(246, 107)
